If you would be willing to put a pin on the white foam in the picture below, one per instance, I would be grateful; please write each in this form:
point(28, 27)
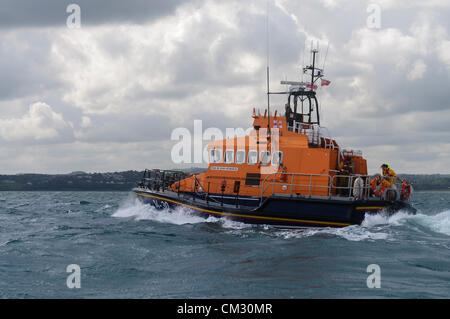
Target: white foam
point(439, 223)
point(351, 233)
point(369, 229)
point(232, 224)
point(133, 207)
point(103, 208)
point(396, 219)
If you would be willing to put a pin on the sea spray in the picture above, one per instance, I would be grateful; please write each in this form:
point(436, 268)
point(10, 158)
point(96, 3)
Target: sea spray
point(439, 223)
point(374, 226)
point(350, 233)
point(139, 211)
point(133, 207)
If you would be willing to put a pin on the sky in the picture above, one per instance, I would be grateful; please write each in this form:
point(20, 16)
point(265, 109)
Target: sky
point(107, 95)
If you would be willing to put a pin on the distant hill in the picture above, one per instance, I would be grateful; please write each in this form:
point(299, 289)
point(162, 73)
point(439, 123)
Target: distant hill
point(428, 182)
point(124, 181)
point(75, 181)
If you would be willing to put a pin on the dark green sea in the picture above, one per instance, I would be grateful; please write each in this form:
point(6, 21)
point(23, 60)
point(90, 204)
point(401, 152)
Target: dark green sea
point(128, 250)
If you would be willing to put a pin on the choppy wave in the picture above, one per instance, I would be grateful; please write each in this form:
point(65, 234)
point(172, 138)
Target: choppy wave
point(351, 233)
point(439, 223)
point(134, 208)
point(374, 226)
point(190, 257)
point(139, 211)
point(397, 219)
point(103, 208)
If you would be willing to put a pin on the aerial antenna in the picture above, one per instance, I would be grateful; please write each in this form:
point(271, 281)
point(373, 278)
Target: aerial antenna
point(268, 71)
point(304, 53)
point(314, 53)
point(318, 52)
point(326, 55)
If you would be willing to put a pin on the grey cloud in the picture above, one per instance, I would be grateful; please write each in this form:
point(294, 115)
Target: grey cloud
point(195, 63)
point(386, 115)
point(40, 125)
point(96, 157)
point(25, 64)
point(30, 13)
point(128, 128)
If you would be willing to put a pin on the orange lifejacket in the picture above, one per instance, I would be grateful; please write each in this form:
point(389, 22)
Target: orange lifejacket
point(390, 176)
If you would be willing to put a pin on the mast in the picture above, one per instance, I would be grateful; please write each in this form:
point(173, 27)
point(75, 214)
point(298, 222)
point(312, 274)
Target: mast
point(314, 52)
point(268, 103)
point(303, 92)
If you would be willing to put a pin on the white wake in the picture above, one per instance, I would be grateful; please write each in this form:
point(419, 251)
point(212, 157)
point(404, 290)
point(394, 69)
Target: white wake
point(134, 208)
point(374, 227)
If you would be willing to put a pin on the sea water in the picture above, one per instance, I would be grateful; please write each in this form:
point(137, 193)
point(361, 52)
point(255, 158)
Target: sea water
point(125, 249)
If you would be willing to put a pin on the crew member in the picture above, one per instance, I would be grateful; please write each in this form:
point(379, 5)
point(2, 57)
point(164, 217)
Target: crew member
point(288, 113)
point(345, 170)
point(389, 175)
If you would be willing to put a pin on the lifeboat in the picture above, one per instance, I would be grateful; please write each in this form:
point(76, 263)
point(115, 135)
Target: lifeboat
point(287, 172)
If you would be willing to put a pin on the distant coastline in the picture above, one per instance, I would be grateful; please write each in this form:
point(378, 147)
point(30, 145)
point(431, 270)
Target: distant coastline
point(75, 181)
point(124, 181)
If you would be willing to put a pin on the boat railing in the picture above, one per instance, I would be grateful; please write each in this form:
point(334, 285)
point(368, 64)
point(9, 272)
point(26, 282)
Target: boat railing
point(317, 135)
point(281, 179)
point(313, 135)
point(346, 187)
point(226, 189)
point(165, 180)
point(160, 180)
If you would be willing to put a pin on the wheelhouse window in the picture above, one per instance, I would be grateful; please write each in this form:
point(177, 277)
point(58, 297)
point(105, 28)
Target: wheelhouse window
point(252, 157)
point(229, 156)
point(265, 158)
point(277, 158)
point(240, 157)
point(216, 156)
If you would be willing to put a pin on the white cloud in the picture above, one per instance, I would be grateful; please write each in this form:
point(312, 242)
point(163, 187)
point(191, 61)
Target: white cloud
point(418, 70)
point(405, 4)
point(380, 45)
point(444, 52)
point(86, 122)
point(189, 61)
point(122, 84)
point(39, 123)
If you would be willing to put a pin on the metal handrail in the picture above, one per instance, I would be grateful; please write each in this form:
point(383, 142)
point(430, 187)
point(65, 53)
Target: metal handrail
point(310, 186)
point(333, 186)
point(315, 136)
point(341, 186)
